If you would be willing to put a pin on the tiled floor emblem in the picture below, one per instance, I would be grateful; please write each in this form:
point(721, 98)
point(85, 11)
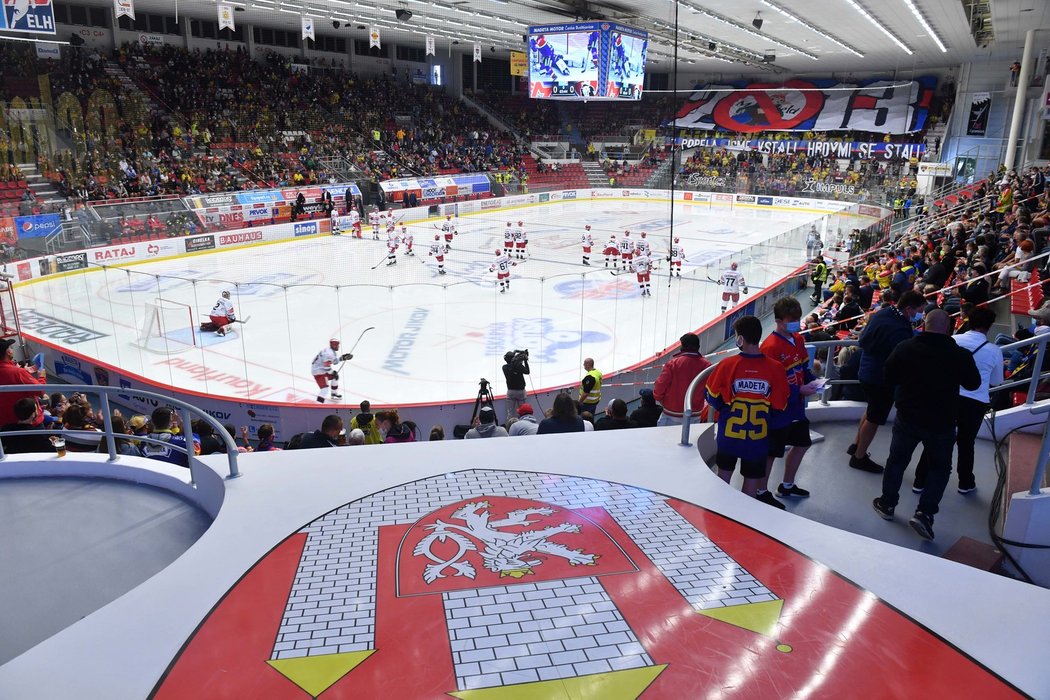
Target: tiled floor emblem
point(490, 584)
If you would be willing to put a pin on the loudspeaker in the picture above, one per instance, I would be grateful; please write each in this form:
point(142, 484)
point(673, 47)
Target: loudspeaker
point(770, 57)
point(335, 24)
point(757, 23)
point(402, 14)
point(711, 46)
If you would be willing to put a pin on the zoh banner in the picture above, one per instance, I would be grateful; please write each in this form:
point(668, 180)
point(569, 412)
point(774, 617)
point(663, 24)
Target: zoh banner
point(881, 106)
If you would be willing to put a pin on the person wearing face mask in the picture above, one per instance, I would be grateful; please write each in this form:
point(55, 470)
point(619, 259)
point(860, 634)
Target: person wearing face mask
point(886, 329)
point(789, 427)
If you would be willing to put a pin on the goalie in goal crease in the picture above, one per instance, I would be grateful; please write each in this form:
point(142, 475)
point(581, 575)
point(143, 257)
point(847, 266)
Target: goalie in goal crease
point(221, 316)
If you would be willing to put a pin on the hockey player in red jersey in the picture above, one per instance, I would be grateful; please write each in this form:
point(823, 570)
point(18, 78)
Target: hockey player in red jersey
point(746, 389)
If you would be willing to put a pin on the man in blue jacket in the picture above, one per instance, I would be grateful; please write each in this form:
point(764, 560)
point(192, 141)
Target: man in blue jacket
point(886, 329)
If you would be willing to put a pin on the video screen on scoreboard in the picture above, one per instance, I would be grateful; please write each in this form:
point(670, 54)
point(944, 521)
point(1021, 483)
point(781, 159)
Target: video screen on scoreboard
point(587, 60)
point(565, 62)
point(626, 65)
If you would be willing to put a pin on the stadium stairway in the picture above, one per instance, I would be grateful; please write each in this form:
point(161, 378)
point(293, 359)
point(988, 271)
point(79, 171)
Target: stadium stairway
point(595, 175)
point(44, 191)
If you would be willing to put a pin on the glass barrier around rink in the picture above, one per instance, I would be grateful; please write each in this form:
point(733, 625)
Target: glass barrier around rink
point(434, 336)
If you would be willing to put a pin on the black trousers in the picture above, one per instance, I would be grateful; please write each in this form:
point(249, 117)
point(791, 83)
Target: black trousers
point(970, 415)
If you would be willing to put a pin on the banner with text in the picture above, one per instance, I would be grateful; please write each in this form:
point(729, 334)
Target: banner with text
point(881, 106)
point(977, 119)
point(225, 13)
point(33, 16)
point(124, 8)
point(826, 149)
point(38, 226)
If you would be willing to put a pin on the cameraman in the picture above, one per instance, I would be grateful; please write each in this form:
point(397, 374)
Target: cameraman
point(515, 370)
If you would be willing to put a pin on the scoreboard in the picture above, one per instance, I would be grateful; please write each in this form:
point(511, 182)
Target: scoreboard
point(587, 60)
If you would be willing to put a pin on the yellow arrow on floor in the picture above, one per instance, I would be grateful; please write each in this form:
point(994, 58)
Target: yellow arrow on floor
point(757, 617)
point(615, 685)
point(316, 674)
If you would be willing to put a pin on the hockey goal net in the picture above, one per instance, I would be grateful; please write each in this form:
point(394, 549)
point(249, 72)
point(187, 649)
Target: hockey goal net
point(167, 327)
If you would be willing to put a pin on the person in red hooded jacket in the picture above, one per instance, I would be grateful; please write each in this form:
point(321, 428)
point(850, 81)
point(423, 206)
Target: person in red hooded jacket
point(12, 373)
point(674, 380)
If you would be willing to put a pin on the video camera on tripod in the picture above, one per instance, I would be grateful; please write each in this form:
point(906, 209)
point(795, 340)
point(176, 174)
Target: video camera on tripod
point(484, 398)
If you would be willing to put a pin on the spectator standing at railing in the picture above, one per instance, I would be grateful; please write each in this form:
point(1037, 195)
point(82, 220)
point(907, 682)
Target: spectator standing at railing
point(675, 378)
point(886, 329)
point(12, 373)
point(789, 427)
point(927, 371)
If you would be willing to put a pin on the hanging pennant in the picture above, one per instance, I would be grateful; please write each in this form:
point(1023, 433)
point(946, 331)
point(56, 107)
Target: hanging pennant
point(308, 28)
point(374, 38)
point(430, 46)
point(225, 17)
point(124, 8)
point(477, 53)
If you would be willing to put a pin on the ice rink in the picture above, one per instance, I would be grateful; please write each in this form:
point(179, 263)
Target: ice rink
point(434, 335)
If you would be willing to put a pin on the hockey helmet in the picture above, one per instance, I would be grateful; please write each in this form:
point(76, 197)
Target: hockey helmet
point(437, 237)
point(499, 252)
point(448, 217)
point(732, 266)
point(627, 233)
point(541, 41)
point(587, 227)
point(643, 234)
point(226, 294)
point(521, 223)
point(509, 224)
point(677, 239)
point(333, 343)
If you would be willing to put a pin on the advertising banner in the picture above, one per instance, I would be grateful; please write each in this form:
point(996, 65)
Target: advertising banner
point(864, 150)
point(977, 119)
point(39, 226)
point(519, 63)
point(881, 106)
point(32, 16)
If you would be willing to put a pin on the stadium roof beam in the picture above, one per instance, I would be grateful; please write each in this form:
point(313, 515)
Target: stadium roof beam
point(925, 25)
point(878, 25)
point(813, 28)
point(698, 9)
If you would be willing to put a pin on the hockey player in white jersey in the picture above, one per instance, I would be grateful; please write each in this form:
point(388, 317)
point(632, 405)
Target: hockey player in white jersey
point(374, 222)
point(612, 251)
point(448, 230)
point(813, 243)
point(222, 314)
point(626, 250)
point(437, 251)
point(355, 221)
point(642, 245)
point(588, 242)
point(501, 267)
point(508, 239)
point(676, 257)
point(391, 245)
point(732, 280)
point(324, 371)
point(406, 239)
point(521, 240)
point(642, 266)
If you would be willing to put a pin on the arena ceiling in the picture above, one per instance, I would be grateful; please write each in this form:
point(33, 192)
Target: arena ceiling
point(714, 36)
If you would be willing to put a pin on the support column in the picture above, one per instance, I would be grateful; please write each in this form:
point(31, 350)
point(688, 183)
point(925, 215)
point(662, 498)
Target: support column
point(1019, 99)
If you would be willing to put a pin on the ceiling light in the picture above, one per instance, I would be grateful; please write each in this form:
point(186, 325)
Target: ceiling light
point(926, 25)
point(748, 30)
point(878, 25)
point(810, 27)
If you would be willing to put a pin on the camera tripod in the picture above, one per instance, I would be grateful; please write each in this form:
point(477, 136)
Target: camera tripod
point(484, 397)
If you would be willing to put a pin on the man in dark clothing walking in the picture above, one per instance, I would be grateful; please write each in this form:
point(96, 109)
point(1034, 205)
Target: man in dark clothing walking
point(886, 329)
point(927, 371)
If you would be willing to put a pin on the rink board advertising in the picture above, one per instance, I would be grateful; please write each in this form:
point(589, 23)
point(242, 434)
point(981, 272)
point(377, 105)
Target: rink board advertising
point(587, 60)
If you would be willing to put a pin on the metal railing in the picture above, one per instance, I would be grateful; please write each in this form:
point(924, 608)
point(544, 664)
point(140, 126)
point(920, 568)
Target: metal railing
point(1044, 453)
point(1032, 382)
point(186, 413)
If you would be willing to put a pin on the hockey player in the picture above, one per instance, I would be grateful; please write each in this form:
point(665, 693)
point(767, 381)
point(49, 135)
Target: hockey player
point(549, 60)
point(642, 246)
point(813, 243)
point(508, 239)
point(643, 267)
point(437, 251)
point(731, 281)
point(391, 227)
point(588, 242)
point(325, 374)
point(593, 47)
point(222, 313)
point(502, 267)
point(406, 239)
point(373, 221)
point(612, 251)
point(448, 230)
point(676, 256)
point(521, 239)
point(391, 245)
point(626, 250)
point(355, 221)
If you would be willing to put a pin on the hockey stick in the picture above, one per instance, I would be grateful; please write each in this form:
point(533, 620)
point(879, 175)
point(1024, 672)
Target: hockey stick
point(242, 320)
point(380, 262)
point(356, 343)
